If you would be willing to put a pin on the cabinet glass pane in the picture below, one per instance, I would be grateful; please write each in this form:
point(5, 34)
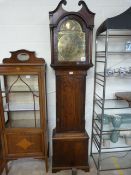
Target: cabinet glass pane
point(71, 42)
point(20, 94)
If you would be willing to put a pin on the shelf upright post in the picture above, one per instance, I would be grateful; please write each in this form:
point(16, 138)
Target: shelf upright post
point(94, 95)
point(103, 99)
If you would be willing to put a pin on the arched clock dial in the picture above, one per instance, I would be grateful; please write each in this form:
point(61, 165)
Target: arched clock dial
point(71, 42)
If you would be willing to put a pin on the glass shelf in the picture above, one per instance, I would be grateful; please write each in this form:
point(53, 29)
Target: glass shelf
point(116, 35)
point(112, 104)
point(21, 107)
point(7, 91)
point(102, 53)
point(24, 123)
point(108, 144)
point(114, 161)
point(101, 74)
point(109, 127)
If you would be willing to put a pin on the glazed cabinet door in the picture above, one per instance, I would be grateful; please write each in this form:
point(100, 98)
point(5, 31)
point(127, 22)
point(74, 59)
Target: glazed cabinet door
point(20, 98)
point(22, 119)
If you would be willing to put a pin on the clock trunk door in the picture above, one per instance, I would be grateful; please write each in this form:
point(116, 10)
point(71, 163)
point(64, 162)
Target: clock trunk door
point(70, 87)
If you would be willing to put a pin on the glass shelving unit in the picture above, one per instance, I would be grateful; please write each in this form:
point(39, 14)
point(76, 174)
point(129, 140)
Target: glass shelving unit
point(111, 124)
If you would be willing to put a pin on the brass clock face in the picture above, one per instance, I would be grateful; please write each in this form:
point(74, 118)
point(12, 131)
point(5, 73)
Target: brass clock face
point(71, 42)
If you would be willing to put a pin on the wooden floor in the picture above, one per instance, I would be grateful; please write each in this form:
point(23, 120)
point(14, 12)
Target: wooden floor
point(36, 167)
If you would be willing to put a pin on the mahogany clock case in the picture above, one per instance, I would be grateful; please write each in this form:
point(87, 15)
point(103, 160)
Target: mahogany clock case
point(71, 57)
point(23, 114)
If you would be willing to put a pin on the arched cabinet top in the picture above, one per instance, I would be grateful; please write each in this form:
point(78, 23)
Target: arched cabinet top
point(23, 57)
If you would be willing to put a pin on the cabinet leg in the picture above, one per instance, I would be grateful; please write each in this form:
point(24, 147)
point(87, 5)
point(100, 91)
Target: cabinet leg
point(48, 150)
point(46, 164)
point(6, 169)
point(74, 171)
point(98, 172)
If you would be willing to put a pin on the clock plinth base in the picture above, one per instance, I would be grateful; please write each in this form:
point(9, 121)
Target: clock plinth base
point(70, 150)
point(56, 169)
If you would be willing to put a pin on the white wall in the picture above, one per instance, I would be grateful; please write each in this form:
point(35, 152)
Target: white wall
point(24, 24)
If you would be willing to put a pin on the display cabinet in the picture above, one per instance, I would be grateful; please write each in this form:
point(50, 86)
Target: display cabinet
point(23, 106)
point(71, 57)
point(111, 125)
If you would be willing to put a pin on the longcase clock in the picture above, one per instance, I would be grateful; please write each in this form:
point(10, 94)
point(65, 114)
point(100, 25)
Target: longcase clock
point(71, 57)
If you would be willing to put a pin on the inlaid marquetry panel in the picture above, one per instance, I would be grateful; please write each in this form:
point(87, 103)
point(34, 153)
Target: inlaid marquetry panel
point(24, 143)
